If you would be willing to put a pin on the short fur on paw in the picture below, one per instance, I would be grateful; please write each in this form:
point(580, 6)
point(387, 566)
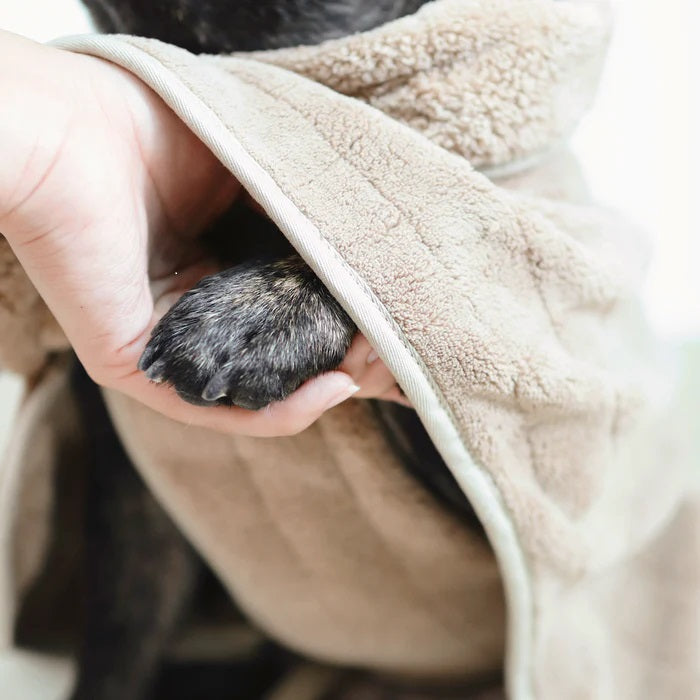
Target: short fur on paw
point(249, 336)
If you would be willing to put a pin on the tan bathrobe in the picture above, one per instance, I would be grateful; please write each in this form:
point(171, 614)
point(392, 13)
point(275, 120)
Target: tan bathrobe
point(420, 170)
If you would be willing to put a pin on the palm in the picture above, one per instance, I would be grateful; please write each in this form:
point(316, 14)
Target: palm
point(128, 188)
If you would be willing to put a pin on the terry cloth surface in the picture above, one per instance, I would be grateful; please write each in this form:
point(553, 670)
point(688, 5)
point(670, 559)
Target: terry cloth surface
point(418, 169)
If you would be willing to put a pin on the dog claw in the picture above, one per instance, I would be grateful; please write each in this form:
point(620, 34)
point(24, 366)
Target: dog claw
point(148, 356)
point(156, 371)
point(216, 388)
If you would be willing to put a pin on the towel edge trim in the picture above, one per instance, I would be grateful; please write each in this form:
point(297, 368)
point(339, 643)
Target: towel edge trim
point(373, 321)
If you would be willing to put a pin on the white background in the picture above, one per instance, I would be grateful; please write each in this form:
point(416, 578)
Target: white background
point(639, 146)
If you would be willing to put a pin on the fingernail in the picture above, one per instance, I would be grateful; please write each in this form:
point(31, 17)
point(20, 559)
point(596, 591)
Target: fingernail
point(346, 393)
point(372, 357)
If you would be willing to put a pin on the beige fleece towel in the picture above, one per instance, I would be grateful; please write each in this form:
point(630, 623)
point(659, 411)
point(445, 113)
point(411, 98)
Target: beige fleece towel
point(504, 303)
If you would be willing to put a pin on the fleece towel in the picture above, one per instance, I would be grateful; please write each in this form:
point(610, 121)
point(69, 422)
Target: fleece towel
point(420, 169)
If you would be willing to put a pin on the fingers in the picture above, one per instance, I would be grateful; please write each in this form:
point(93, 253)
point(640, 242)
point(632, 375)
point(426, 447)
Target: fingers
point(310, 401)
point(355, 377)
point(285, 418)
point(372, 376)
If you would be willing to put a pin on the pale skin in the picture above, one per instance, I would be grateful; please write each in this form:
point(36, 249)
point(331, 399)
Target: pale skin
point(103, 193)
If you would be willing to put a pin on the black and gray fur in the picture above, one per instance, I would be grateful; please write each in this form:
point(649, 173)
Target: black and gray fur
point(252, 334)
point(224, 26)
point(247, 336)
point(231, 341)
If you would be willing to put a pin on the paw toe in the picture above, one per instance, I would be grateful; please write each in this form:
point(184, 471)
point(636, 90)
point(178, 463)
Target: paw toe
point(156, 372)
point(217, 387)
point(148, 357)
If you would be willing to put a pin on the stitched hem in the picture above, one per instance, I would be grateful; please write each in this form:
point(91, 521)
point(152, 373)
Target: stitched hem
point(372, 319)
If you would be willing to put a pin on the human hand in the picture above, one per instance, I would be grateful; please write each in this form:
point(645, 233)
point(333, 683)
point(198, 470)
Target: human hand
point(103, 193)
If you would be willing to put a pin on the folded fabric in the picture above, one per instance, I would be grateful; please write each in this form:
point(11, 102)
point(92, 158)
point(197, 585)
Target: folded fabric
point(419, 168)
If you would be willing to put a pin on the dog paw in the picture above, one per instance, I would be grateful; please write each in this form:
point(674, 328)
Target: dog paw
point(249, 336)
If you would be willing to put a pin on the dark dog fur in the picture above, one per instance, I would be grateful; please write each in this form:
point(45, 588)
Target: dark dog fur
point(140, 571)
point(252, 334)
point(230, 341)
point(223, 26)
